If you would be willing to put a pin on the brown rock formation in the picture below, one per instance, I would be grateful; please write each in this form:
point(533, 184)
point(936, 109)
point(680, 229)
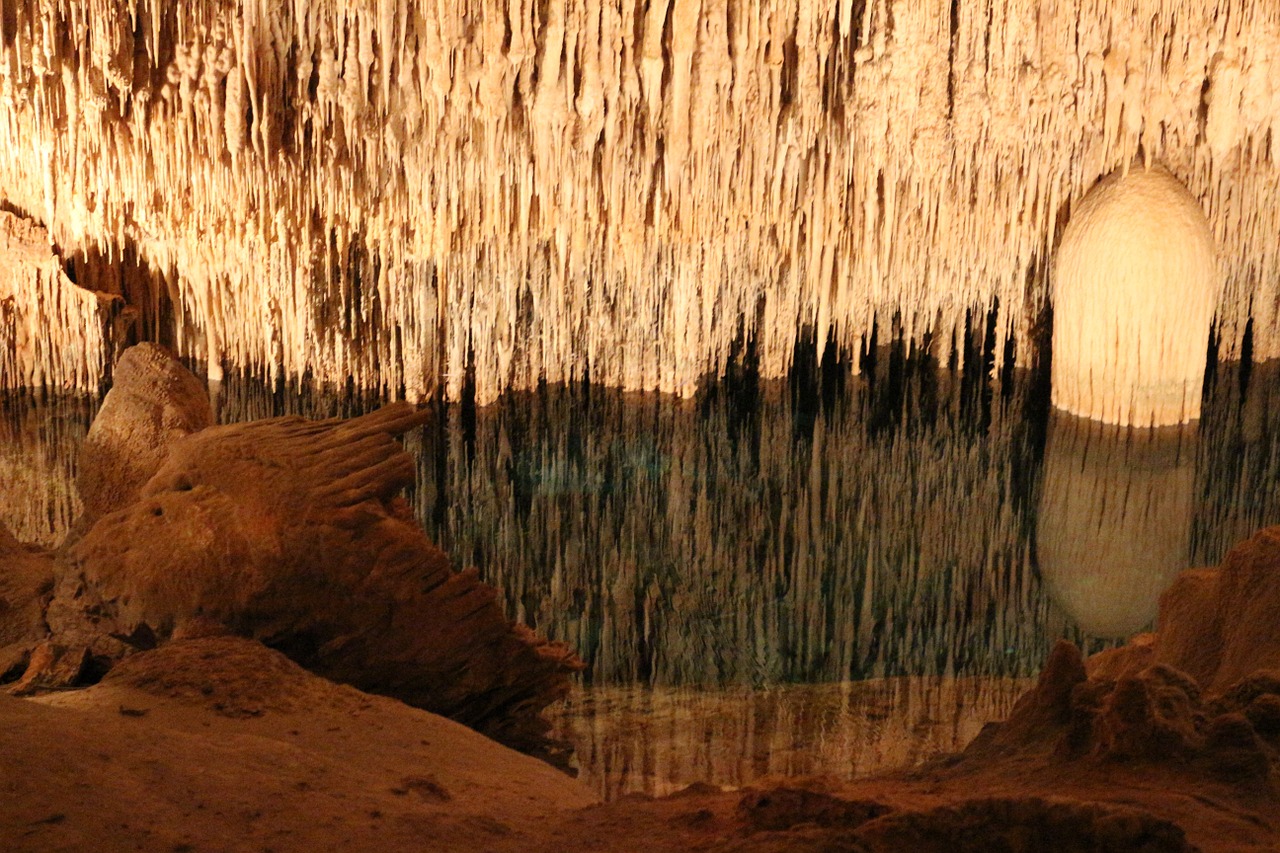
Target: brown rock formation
point(1219, 625)
point(26, 579)
point(153, 402)
point(289, 532)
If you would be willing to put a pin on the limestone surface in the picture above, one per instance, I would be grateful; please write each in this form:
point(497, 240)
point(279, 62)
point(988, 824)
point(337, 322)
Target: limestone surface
point(411, 194)
point(287, 531)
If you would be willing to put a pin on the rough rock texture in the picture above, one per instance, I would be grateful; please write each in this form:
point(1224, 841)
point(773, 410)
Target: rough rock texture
point(153, 402)
point(1188, 634)
point(1248, 606)
point(1136, 655)
point(290, 532)
point(26, 580)
point(1156, 714)
point(1219, 625)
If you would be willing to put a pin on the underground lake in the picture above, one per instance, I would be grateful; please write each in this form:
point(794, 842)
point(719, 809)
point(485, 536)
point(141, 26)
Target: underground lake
point(842, 572)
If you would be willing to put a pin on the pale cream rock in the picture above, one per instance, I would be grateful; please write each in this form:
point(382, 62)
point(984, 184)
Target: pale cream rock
point(1135, 285)
point(402, 193)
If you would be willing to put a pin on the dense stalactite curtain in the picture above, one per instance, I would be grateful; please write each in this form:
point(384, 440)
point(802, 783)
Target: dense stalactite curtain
point(412, 194)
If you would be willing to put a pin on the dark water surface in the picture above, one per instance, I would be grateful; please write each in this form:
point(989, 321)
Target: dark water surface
point(835, 573)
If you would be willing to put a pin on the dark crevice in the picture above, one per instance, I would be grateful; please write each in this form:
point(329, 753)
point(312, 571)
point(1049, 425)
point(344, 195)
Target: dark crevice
point(147, 312)
point(951, 58)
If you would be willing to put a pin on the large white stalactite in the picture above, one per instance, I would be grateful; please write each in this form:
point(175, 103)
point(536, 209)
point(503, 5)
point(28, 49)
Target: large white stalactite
point(398, 191)
point(1134, 290)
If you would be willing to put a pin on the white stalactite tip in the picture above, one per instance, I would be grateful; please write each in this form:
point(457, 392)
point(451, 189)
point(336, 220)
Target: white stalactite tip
point(1135, 286)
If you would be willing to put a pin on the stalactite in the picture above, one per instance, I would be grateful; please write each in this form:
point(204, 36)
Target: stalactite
point(1134, 290)
point(53, 334)
point(518, 192)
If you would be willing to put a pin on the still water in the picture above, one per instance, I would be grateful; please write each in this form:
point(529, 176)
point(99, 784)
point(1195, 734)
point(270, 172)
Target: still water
point(836, 573)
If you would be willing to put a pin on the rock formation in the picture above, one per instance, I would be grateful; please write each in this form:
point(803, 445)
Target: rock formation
point(154, 400)
point(410, 194)
point(287, 531)
point(26, 580)
point(1135, 286)
point(1220, 625)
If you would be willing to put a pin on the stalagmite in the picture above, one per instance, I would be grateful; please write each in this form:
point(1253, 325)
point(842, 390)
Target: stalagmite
point(52, 334)
point(1135, 286)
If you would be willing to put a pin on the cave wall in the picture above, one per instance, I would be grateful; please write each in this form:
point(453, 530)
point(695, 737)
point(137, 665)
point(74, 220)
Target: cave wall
point(413, 194)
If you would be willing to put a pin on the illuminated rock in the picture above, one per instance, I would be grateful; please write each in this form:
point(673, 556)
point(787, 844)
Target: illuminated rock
point(410, 193)
point(1135, 286)
point(290, 532)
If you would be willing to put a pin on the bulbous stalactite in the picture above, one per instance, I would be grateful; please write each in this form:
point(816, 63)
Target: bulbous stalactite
point(1134, 291)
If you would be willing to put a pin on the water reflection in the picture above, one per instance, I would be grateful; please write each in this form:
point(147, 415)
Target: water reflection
point(1114, 519)
point(657, 741)
point(754, 576)
point(40, 436)
point(714, 543)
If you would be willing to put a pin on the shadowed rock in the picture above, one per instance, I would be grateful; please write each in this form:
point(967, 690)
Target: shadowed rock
point(26, 579)
point(1027, 823)
point(783, 808)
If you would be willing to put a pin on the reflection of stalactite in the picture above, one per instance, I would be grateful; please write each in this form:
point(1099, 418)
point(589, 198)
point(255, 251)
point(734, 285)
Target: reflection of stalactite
point(878, 532)
point(1113, 526)
point(657, 741)
point(1239, 459)
point(836, 527)
point(39, 440)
